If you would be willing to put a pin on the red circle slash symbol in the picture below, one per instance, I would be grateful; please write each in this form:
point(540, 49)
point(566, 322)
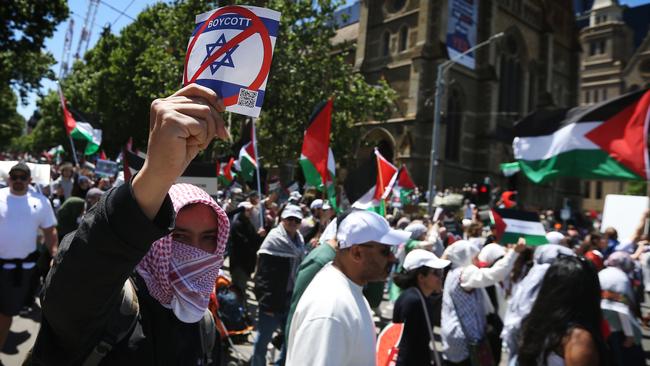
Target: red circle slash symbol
point(256, 28)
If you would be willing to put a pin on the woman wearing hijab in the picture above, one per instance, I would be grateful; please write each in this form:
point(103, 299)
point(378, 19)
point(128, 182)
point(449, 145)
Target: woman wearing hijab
point(618, 306)
point(464, 303)
point(420, 280)
point(155, 248)
point(525, 293)
point(564, 325)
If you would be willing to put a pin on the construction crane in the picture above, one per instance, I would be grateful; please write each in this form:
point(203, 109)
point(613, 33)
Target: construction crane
point(89, 23)
point(67, 43)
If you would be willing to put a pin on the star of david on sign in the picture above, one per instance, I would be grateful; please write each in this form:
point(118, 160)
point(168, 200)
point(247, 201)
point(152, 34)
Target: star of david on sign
point(226, 60)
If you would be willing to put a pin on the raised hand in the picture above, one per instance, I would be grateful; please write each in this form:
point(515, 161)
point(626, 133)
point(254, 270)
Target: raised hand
point(180, 126)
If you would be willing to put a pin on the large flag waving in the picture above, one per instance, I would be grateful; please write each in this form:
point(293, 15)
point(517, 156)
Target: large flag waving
point(80, 130)
point(316, 157)
point(379, 185)
point(247, 162)
point(604, 141)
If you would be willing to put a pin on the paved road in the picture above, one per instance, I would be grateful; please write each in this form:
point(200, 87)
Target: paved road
point(25, 328)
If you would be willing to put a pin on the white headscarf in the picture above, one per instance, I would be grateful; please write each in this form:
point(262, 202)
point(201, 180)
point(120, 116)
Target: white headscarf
point(461, 253)
point(615, 280)
point(490, 253)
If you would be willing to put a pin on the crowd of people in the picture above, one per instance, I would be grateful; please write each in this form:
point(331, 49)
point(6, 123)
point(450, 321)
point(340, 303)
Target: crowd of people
point(134, 266)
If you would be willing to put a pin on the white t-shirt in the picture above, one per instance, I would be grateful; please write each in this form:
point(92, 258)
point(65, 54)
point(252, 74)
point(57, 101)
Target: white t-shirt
point(332, 324)
point(20, 218)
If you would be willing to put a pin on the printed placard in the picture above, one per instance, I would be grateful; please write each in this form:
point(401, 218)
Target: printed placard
point(230, 52)
point(106, 168)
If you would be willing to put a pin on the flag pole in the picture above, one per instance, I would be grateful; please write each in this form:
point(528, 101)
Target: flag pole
point(257, 172)
point(74, 151)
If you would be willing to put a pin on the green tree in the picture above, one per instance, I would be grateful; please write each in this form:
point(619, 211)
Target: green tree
point(25, 25)
point(11, 123)
point(123, 73)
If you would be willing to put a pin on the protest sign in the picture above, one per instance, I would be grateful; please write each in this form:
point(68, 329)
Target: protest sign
point(106, 168)
point(623, 213)
point(40, 172)
point(230, 52)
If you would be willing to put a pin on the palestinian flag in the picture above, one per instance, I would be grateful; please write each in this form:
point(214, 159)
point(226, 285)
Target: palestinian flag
point(379, 184)
point(404, 186)
point(514, 224)
point(80, 130)
point(315, 154)
point(225, 173)
point(510, 169)
point(57, 150)
point(316, 158)
point(604, 141)
point(247, 162)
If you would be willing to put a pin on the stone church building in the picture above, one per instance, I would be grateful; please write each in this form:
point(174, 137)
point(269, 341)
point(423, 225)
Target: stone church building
point(535, 64)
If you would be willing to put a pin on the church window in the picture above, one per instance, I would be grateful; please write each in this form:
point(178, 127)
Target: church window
point(403, 38)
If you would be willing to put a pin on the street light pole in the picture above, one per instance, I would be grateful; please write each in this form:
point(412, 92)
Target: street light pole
point(440, 82)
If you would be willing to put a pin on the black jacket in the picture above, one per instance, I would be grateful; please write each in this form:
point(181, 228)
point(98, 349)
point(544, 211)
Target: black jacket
point(245, 242)
point(414, 344)
point(271, 281)
point(84, 286)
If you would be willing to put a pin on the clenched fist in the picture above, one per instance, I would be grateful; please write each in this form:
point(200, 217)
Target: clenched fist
point(179, 127)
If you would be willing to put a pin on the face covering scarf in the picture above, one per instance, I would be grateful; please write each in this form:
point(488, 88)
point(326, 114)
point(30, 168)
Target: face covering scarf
point(179, 276)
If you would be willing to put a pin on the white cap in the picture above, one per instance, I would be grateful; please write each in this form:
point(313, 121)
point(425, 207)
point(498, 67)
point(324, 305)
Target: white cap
point(326, 206)
point(554, 237)
point(245, 204)
point(291, 211)
point(360, 227)
point(317, 203)
point(420, 257)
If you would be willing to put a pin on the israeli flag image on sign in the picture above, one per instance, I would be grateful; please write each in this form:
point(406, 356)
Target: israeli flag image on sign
point(230, 52)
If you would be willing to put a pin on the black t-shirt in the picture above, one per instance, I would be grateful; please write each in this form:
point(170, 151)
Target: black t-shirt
point(414, 345)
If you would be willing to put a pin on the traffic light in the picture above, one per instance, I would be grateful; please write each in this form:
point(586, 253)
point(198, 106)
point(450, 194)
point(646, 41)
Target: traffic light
point(484, 193)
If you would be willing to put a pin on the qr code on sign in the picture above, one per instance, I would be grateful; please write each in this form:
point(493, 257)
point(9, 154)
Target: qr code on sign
point(247, 98)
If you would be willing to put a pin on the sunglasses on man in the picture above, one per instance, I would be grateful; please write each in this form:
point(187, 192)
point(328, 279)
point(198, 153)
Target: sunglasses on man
point(18, 177)
point(294, 220)
point(385, 250)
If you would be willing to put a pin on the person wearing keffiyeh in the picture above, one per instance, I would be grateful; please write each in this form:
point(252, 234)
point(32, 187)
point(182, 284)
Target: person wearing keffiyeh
point(159, 244)
point(181, 268)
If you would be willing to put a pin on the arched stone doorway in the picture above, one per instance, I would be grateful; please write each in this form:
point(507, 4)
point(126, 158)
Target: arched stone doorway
point(381, 139)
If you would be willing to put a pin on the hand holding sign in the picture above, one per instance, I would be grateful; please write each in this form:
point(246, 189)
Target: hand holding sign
point(230, 52)
point(180, 126)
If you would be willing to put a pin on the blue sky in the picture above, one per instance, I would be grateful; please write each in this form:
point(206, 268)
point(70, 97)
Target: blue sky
point(109, 13)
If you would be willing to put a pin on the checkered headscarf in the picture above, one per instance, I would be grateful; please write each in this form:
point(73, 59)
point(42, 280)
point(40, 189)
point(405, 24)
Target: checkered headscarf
point(180, 276)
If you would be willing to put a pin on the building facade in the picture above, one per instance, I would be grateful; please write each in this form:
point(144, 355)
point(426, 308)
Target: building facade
point(535, 64)
point(615, 60)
